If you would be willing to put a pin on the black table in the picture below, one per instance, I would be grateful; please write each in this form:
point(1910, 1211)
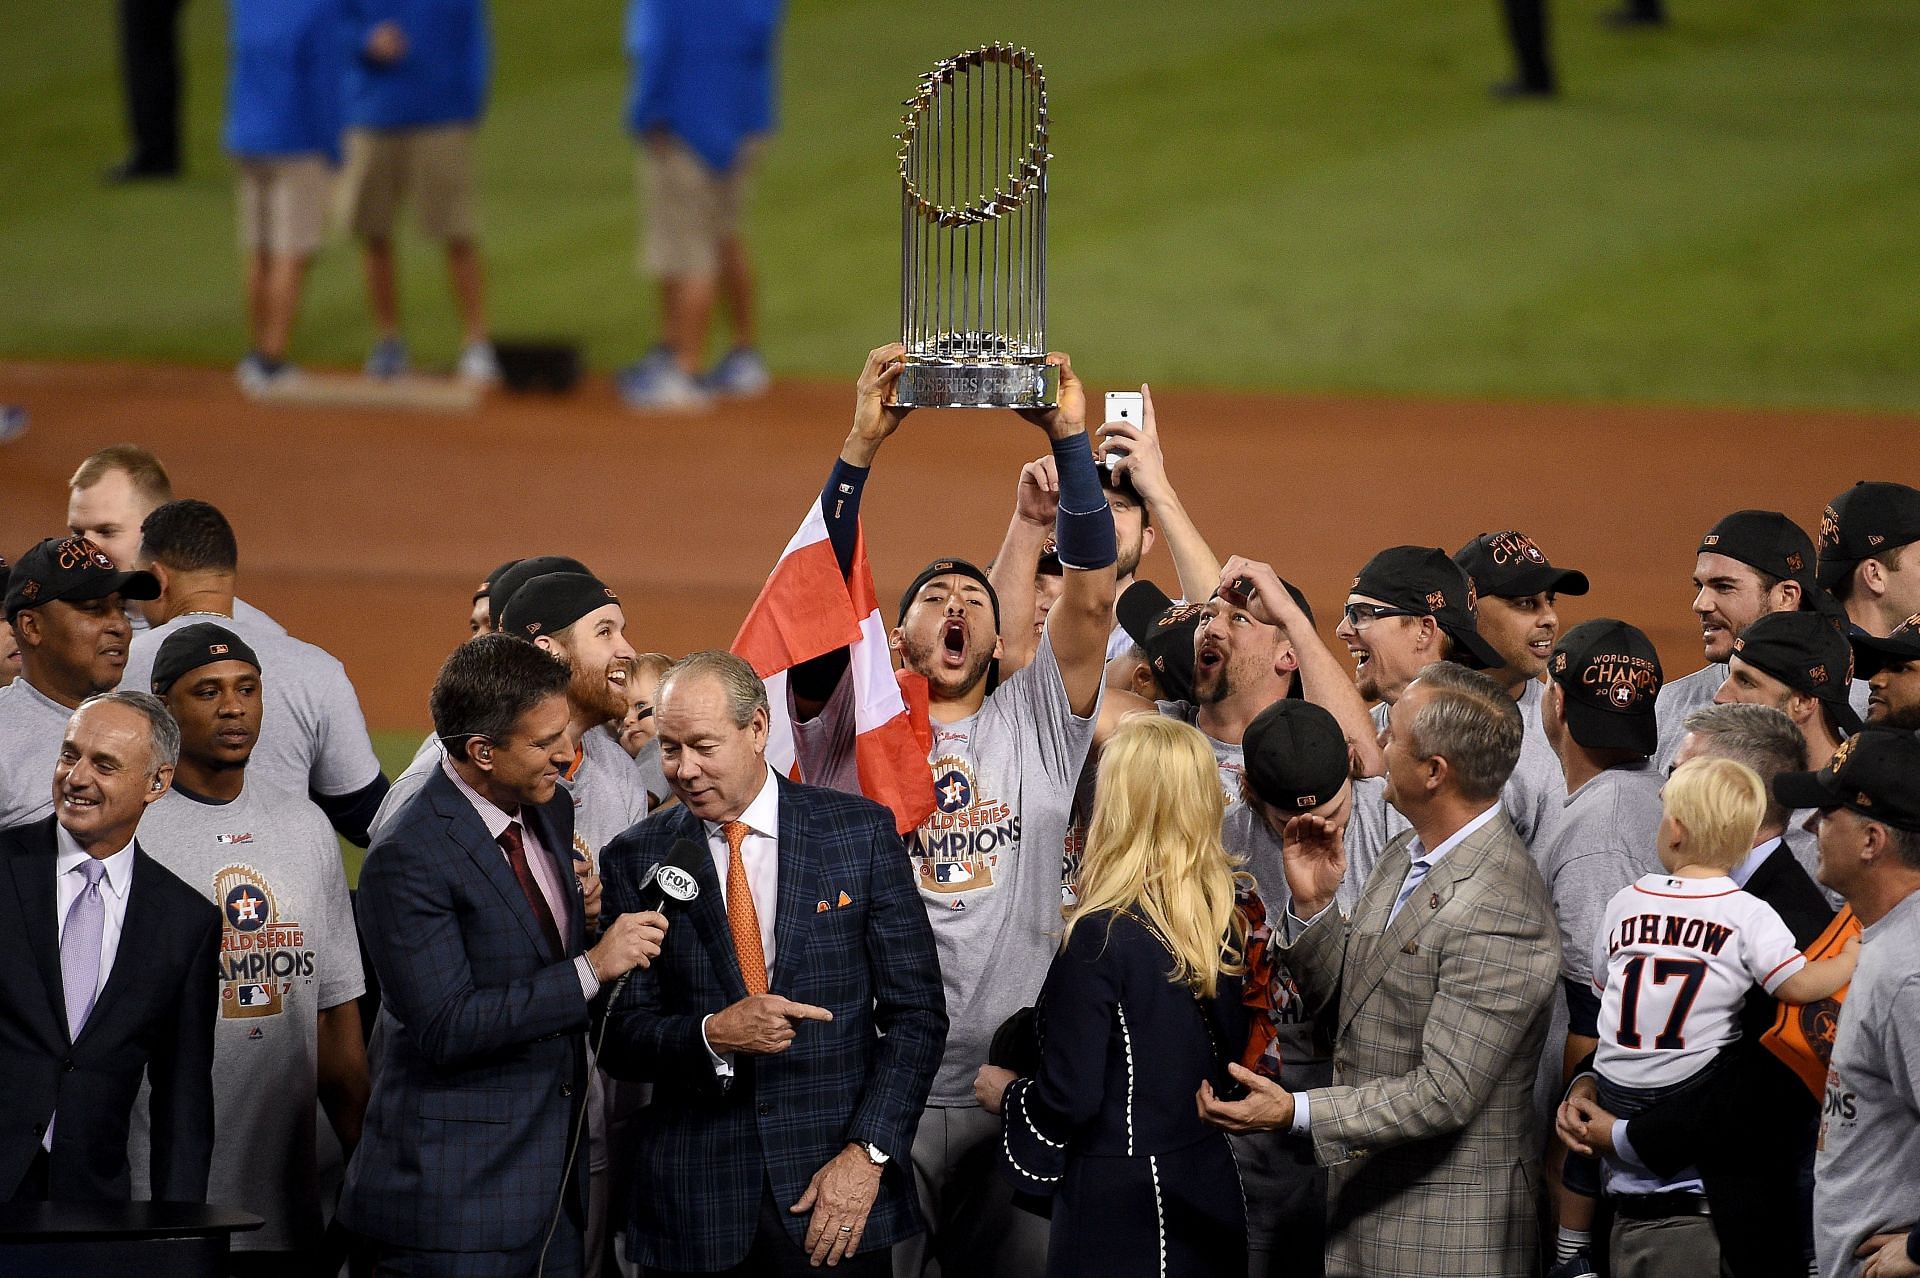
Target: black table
point(124, 1240)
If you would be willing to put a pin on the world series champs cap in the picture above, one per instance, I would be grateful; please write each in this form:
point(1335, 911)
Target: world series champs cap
point(1805, 652)
point(1872, 654)
point(1609, 675)
point(1510, 565)
point(1164, 630)
point(1424, 581)
point(71, 569)
point(1875, 772)
point(1862, 522)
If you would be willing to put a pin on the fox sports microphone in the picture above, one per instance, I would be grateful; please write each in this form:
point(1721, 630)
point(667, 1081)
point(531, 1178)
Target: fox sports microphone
point(665, 885)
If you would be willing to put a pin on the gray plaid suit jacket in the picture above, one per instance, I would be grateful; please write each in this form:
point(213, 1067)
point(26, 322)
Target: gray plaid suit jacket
point(1429, 1126)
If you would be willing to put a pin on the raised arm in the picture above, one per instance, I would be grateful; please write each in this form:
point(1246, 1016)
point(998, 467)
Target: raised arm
point(1323, 679)
point(1080, 622)
point(1036, 506)
point(812, 683)
point(1144, 464)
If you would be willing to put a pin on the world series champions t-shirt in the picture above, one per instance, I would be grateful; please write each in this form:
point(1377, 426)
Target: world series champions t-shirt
point(32, 726)
point(988, 860)
point(288, 951)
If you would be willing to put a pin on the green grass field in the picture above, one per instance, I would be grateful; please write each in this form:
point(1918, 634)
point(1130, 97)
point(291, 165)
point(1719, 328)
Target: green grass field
point(1312, 195)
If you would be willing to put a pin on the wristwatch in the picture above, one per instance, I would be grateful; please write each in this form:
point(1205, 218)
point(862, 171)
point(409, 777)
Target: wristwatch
point(875, 1155)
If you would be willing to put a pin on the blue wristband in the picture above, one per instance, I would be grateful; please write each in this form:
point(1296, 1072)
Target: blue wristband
point(1083, 528)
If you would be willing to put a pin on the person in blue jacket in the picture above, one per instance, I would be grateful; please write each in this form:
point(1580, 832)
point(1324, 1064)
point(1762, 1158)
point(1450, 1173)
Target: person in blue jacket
point(701, 106)
point(284, 116)
point(416, 89)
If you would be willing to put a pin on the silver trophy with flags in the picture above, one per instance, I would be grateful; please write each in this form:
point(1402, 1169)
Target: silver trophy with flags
point(973, 235)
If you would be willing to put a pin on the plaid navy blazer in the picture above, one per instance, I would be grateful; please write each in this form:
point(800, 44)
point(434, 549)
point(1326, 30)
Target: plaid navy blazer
point(479, 1066)
point(850, 935)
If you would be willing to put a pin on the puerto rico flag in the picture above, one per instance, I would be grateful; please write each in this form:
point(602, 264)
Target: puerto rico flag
point(807, 609)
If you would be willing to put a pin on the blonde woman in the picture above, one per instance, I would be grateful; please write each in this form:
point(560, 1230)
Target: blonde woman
point(1140, 1006)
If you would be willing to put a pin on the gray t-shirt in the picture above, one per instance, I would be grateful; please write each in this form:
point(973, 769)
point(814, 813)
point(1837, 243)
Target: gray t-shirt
point(609, 796)
point(407, 784)
point(1229, 757)
point(823, 746)
point(1867, 1171)
point(1679, 699)
point(1607, 838)
point(288, 951)
point(988, 860)
point(32, 726)
point(313, 736)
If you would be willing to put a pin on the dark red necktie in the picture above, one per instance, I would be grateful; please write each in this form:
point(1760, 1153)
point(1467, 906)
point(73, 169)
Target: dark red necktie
point(516, 851)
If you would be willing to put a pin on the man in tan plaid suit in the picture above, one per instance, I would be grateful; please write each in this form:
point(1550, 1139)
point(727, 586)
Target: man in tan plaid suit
point(1442, 981)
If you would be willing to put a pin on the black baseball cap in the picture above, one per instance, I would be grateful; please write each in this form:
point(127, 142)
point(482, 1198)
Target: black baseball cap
point(1295, 756)
point(1871, 653)
point(190, 647)
point(1164, 630)
point(1875, 772)
point(1863, 521)
point(1768, 541)
point(1425, 582)
point(1609, 676)
point(550, 603)
point(501, 589)
point(950, 568)
point(1805, 652)
point(71, 568)
point(1510, 565)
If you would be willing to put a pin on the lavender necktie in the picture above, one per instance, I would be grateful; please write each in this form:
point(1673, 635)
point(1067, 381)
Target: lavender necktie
point(80, 947)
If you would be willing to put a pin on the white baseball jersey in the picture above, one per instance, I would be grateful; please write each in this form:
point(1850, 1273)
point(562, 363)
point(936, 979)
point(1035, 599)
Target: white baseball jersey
point(1673, 965)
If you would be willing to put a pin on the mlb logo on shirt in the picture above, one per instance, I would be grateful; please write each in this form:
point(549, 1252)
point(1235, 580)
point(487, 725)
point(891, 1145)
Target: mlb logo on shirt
point(949, 873)
point(233, 838)
point(253, 996)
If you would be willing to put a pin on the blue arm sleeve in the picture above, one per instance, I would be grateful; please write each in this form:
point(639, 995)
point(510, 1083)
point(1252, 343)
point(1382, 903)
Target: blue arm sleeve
point(1583, 1009)
point(1083, 528)
point(840, 505)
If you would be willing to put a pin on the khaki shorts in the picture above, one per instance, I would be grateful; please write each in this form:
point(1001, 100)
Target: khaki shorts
point(283, 205)
point(433, 165)
point(690, 209)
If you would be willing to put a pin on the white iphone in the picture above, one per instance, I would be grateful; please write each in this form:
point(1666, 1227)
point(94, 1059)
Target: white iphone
point(1122, 406)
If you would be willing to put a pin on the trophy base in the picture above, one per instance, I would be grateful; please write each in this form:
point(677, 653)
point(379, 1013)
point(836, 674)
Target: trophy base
point(940, 384)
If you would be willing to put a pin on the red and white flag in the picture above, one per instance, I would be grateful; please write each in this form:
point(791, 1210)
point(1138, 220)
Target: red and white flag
point(807, 609)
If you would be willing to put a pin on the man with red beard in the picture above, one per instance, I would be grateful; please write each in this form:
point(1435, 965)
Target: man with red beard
point(1005, 763)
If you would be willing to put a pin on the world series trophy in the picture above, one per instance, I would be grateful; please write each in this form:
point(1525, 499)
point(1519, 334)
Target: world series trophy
point(973, 235)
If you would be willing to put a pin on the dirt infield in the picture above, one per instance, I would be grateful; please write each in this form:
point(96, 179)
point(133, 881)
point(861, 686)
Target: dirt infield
point(366, 532)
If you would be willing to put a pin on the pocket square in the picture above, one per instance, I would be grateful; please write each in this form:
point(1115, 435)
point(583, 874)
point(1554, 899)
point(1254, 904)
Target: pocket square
point(821, 908)
point(844, 902)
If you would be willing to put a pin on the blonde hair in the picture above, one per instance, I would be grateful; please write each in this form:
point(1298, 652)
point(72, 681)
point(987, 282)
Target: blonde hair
point(1153, 849)
point(655, 663)
point(142, 468)
point(1718, 802)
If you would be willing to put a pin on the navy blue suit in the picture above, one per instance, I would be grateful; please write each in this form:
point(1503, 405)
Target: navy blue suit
point(154, 1018)
point(479, 1063)
point(712, 1150)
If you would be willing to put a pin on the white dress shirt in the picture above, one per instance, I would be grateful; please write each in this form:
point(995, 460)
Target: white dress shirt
point(69, 883)
point(544, 874)
point(1417, 856)
point(760, 855)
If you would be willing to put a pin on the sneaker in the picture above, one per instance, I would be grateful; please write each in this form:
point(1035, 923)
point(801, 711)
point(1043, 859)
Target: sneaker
point(741, 373)
point(479, 364)
point(388, 358)
point(257, 374)
point(650, 384)
point(1578, 1265)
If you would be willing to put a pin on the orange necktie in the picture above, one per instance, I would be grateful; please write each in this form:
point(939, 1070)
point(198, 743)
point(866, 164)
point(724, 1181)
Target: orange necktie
point(742, 920)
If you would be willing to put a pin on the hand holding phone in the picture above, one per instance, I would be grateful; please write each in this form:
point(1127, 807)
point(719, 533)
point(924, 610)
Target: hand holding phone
point(1122, 406)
